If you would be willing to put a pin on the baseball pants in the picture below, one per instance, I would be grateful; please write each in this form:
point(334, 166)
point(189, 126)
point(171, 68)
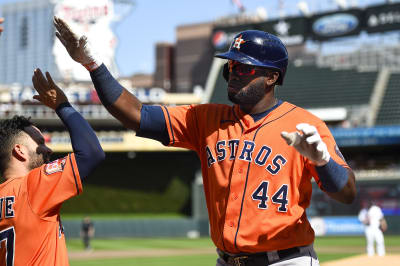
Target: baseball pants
point(375, 235)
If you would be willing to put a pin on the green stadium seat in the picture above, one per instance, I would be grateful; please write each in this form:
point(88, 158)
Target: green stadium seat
point(389, 112)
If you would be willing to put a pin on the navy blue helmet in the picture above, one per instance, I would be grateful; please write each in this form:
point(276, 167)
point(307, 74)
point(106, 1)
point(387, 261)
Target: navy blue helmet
point(259, 48)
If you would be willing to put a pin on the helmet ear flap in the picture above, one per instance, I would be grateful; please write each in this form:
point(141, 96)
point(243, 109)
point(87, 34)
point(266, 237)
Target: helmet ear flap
point(225, 72)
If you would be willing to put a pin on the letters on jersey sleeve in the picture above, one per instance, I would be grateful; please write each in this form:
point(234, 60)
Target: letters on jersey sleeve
point(51, 184)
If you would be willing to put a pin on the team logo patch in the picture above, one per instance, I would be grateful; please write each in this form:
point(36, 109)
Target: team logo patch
point(238, 42)
point(55, 166)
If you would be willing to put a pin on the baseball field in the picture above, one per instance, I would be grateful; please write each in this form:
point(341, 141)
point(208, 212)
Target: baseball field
point(332, 251)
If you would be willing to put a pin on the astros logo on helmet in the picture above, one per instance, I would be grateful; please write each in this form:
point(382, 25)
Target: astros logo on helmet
point(238, 41)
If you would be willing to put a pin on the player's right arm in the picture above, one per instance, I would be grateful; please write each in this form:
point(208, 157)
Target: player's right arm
point(118, 101)
point(148, 121)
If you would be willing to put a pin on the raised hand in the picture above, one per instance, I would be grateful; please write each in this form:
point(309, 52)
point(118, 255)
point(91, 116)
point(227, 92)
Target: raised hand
point(77, 46)
point(49, 93)
point(308, 142)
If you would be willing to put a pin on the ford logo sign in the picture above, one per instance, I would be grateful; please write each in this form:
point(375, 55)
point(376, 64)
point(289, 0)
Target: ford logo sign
point(335, 25)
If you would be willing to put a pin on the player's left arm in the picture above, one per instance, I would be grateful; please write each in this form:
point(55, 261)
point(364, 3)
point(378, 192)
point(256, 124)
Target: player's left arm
point(337, 180)
point(52, 184)
point(348, 193)
point(87, 149)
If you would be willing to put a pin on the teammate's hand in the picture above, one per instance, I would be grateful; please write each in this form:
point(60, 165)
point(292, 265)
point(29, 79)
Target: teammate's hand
point(1, 28)
point(309, 143)
point(49, 93)
point(78, 47)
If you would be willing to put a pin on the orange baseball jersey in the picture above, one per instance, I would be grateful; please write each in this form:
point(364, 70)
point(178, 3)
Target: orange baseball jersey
point(257, 187)
point(31, 232)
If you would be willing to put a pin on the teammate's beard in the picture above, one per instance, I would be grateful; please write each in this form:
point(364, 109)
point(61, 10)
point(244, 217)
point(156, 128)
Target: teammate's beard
point(250, 95)
point(37, 159)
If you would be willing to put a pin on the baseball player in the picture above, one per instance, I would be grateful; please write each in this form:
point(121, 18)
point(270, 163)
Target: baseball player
point(257, 157)
point(375, 224)
point(34, 189)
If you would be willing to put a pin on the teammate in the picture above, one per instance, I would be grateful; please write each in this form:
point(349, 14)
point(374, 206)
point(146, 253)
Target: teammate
point(375, 224)
point(34, 189)
point(257, 187)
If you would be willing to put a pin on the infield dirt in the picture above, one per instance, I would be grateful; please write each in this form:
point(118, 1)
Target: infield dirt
point(364, 260)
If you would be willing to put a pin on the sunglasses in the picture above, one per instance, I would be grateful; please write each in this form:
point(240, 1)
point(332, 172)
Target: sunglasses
point(240, 69)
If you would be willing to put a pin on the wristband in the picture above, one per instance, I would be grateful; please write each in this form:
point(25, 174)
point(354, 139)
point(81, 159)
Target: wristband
point(333, 176)
point(107, 87)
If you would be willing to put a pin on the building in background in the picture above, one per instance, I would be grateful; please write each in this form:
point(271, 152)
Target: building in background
point(140, 80)
point(193, 56)
point(165, 66)
point(31, 43)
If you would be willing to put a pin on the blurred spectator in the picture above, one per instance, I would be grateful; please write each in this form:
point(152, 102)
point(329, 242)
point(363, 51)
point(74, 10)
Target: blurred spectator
point(375, 224)
point(87, 232)
point(346, 124)
point(1, 28)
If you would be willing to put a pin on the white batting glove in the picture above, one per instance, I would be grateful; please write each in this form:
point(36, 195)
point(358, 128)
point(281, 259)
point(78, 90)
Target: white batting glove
point(308, 143)
point(78, 47)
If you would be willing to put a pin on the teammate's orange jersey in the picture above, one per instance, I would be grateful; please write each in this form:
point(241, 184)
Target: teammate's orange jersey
point(31, 232)
point(257, 187)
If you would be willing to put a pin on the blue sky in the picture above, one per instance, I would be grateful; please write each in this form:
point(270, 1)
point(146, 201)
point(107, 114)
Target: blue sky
point(152, 21)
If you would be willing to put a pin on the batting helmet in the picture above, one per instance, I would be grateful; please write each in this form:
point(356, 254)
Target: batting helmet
point(259, 48)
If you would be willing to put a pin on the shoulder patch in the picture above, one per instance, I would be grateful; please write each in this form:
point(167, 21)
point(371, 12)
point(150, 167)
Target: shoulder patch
point(55, 166)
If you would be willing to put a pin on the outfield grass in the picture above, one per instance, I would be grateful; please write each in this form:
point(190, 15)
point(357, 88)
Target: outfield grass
point(142, 243)
point(122, 216)
point(197, 244)
point(194, 260)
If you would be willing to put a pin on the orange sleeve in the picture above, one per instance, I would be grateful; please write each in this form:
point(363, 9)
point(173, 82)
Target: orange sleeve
point(51, 184)
point(333, 150)
point(182, 124)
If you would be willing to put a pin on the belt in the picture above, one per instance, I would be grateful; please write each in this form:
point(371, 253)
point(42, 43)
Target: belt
point(266, 258)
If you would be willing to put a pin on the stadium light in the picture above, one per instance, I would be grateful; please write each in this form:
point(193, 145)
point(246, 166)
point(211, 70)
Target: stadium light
point(341, 3)
point(303, 7)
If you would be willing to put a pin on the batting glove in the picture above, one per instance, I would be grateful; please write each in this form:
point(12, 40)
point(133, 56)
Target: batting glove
point(77, 46)
point(308, 143)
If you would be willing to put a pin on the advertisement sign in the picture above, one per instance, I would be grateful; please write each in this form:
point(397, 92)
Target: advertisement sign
point(336, 24)
point(338, 226)
point(79, 95)
point(292, 31)
point(222, 37)
point(93, 19)
point(380, 135)
point(382, 18)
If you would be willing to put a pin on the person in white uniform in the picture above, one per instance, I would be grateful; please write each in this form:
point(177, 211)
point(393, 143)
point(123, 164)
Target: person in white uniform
point(375, 223)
